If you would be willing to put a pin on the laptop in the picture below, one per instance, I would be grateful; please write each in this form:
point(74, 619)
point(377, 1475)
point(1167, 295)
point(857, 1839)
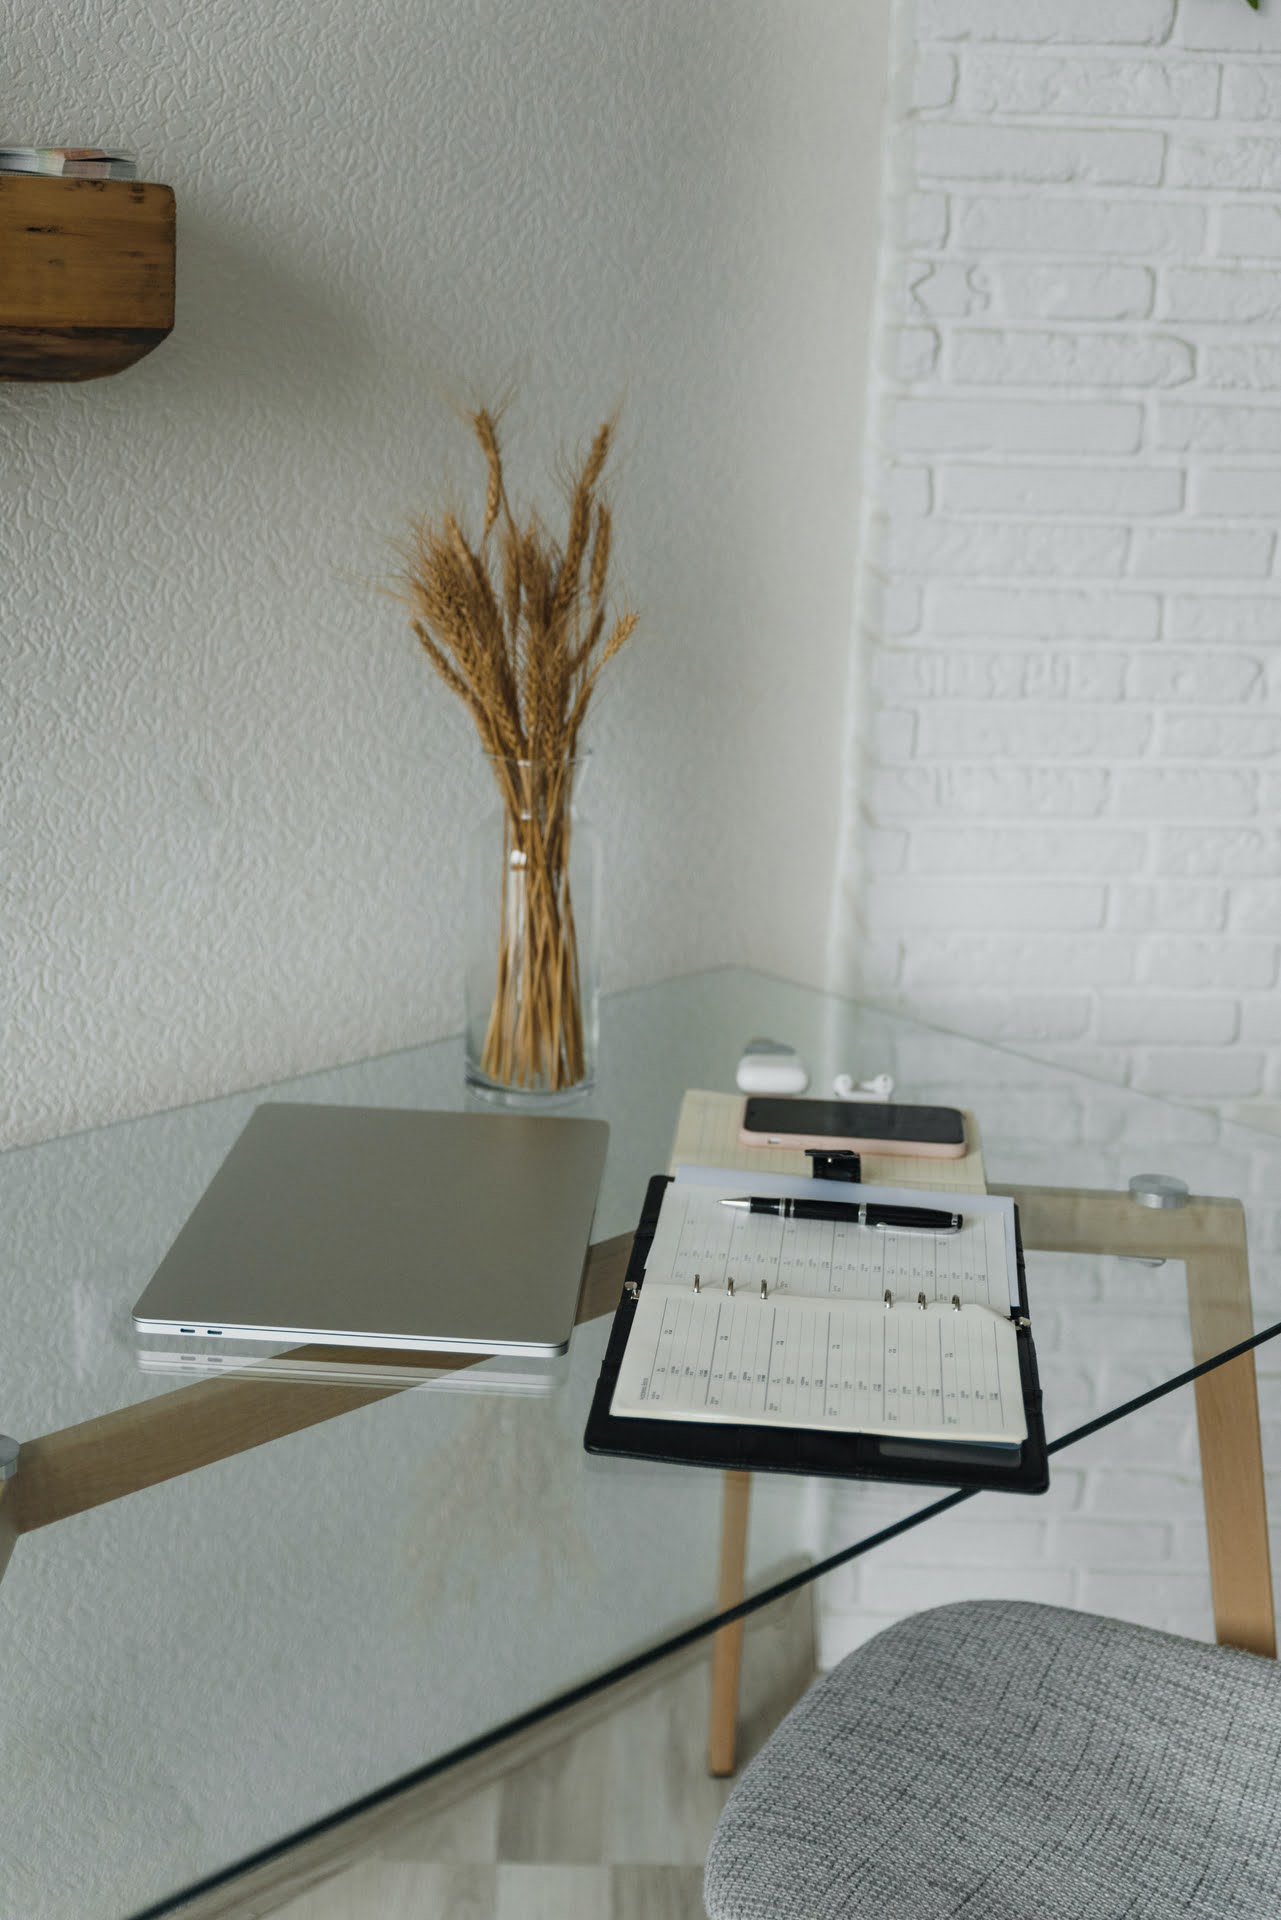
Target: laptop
point(489, 1375)
point(388, 1228)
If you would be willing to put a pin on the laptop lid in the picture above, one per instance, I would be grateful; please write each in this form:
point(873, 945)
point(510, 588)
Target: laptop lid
point(383, 1227)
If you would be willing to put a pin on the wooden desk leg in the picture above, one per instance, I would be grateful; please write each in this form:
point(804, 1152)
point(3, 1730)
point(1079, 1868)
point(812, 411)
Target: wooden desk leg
point(1227, 1411)
point(1208, 1235)
point(68, 1472)
point(727, 1644)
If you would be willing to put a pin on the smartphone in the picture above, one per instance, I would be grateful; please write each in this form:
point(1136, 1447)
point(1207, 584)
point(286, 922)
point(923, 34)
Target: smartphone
point(937, 1133)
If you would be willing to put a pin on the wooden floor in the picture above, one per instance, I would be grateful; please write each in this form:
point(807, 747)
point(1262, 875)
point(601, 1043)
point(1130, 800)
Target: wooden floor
point(612, 1824)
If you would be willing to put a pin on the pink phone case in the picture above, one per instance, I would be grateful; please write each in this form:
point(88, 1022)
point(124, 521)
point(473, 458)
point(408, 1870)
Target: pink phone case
point(833, 1143)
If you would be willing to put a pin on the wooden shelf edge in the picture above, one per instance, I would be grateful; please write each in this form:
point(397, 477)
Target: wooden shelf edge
point(73, 353)
point(87, 281)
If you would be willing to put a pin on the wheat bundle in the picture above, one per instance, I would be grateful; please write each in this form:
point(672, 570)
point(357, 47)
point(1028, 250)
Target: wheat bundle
point(519, 628)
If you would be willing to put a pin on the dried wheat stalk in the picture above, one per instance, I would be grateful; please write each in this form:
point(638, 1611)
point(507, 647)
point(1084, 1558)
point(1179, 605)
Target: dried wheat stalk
point(519, 629)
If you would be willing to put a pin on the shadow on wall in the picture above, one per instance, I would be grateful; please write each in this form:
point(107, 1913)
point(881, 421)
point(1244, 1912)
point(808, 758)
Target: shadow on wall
point(250, 323)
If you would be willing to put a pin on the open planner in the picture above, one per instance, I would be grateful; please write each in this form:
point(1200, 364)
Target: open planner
point(808, 1323)
point(813, 1346)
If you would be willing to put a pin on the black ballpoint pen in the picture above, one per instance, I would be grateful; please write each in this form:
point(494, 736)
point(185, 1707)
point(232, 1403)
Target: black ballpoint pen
point(867, 1213)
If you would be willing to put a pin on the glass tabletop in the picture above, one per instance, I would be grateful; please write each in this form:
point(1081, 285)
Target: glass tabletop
point(198, 1672)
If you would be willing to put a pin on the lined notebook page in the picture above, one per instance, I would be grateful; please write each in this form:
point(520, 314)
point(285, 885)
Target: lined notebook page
point(707, 1136)
point(821, 1349)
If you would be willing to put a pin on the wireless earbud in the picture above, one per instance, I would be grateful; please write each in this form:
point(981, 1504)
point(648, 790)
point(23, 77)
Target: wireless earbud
point(879, 1088)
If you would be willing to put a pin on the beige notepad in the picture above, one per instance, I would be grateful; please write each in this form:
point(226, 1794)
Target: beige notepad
point(707, 1136)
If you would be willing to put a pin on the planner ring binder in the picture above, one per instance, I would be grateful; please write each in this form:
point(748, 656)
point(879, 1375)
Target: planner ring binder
point(746, 1446)
point(953, 1300)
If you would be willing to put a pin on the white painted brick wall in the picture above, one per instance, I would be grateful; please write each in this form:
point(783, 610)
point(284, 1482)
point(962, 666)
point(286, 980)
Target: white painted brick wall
point(1073, 592)
point(1071, 800)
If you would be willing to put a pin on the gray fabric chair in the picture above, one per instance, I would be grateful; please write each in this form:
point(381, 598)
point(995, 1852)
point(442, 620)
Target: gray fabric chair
point(1000, 1761)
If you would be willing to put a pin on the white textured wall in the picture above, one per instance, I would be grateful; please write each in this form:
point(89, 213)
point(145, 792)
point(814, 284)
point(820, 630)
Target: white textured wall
point(232, 802)
point(1067, 820)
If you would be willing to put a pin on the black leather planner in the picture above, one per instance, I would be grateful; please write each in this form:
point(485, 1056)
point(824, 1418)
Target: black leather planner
point(1022, 1468)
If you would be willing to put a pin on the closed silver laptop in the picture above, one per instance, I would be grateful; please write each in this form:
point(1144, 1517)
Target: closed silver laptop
point(381, 1227)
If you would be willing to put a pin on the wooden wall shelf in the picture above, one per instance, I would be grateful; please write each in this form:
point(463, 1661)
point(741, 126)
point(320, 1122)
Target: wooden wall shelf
point(86, 275)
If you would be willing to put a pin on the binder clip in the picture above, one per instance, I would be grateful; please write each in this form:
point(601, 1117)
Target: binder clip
point(834, 1163)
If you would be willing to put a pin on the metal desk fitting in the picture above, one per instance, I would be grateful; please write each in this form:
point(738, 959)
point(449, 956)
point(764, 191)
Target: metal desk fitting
point(1159, 1190)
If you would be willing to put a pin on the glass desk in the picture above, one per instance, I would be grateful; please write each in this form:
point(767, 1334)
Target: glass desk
point(232, 1617)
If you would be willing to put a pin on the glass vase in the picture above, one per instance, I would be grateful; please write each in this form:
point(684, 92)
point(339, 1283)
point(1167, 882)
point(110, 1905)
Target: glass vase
point(531, 966)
